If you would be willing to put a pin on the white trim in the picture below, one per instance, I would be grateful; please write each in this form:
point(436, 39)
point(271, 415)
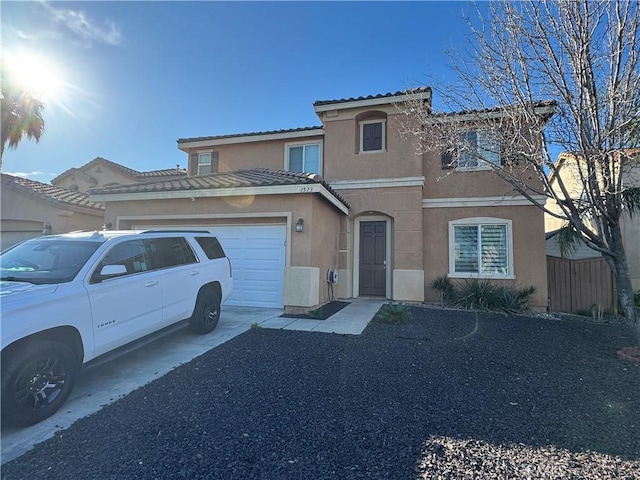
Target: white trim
point(459, 202)
point(210, 164)
point(356, 252)
point(288, 145)
point(226, 192)
point(223, 216)
point(383, 144)
point(475, 221)
point(250, 138)
point(368, 102)
point(377, 183)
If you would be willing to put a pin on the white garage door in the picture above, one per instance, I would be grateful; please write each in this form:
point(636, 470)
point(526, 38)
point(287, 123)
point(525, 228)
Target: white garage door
point(257, 255)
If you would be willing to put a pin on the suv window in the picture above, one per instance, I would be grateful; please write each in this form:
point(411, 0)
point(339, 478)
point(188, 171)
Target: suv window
point(211, 247)
point(131, 254)
point(169, 252)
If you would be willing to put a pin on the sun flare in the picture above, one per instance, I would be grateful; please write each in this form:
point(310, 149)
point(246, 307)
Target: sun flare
point(35, 74)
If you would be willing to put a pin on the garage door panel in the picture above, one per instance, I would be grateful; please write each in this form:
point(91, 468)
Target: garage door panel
point(257, 255)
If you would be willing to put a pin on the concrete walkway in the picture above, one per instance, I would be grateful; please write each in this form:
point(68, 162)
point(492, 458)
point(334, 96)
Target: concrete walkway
point(104, 384)
point(351, 320)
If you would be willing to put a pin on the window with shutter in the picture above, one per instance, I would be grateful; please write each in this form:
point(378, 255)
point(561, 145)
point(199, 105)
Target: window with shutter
point(480, 249)
point(372, 135)
point(475, 150)
point(207, 163)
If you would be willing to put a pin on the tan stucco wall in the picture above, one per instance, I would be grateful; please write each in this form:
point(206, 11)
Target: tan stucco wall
point(102, 174)
point(241, 156)
point(343, 162)
point(20, 211)
point(529, 258)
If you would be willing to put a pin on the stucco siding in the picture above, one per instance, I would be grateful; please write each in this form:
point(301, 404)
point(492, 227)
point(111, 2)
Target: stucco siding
point(528, 246)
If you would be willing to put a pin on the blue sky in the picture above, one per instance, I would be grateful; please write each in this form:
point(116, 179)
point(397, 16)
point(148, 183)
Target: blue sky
point(140, 75)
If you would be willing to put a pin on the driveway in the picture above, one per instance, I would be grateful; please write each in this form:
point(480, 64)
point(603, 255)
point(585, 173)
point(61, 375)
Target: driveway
point(105, 383)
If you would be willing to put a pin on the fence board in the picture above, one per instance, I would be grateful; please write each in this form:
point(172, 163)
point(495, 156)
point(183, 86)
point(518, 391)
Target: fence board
point(579, 284)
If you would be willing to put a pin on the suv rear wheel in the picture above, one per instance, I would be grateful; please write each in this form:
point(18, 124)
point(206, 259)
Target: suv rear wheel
point(206, 313)
point(37, 378)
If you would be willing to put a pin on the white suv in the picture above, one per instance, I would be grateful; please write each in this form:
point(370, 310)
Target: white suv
point(68, 299)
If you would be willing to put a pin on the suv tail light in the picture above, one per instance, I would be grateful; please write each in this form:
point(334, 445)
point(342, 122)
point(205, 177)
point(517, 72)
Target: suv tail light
point(230, 270)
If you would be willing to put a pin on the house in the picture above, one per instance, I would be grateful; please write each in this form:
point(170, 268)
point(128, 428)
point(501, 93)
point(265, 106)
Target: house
point(568, 173)
point(30, 209)
point(101, 172)
point(351, 200)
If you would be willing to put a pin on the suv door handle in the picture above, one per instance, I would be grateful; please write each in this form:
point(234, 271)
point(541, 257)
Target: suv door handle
point(151, 283)
point(194, 272)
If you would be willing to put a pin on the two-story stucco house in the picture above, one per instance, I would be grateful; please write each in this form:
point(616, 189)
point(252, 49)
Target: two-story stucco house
point(350, 196)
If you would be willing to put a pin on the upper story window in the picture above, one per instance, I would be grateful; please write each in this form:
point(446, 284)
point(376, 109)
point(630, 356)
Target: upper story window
point(476, 149)
point(480, 247)
point(303, 157)
point(373, 135)
point(207, 163)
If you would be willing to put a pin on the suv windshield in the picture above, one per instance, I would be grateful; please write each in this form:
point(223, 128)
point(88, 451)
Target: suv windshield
point(45, 261)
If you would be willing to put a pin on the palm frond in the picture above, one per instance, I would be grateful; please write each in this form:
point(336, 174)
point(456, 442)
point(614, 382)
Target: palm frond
point(631, 200)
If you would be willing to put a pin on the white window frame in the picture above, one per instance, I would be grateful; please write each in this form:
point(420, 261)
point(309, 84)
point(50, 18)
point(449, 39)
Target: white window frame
point(210, 153)
point(478, 221)
point(383, 121)
point(288, 145)
point(482, 163)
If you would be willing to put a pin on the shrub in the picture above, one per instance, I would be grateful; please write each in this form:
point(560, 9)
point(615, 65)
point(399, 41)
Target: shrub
point(394, 312)
point(445, 287)
point(481, 294)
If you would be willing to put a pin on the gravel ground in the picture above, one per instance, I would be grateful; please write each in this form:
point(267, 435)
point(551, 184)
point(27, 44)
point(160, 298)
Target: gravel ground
point(444, 395)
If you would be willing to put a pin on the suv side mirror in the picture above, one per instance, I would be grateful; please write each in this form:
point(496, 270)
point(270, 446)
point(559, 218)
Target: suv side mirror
point(113, 270)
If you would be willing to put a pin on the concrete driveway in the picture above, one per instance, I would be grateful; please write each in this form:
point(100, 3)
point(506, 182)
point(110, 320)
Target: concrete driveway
point(103, 384)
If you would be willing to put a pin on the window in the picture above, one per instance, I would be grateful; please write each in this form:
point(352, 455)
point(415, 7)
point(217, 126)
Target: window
point(372, 135)
point(480, 247)
point(169, 252)
point(477, 147)
point(130, 254)
point(211, 247)
point(207, 163)
point(303, 157)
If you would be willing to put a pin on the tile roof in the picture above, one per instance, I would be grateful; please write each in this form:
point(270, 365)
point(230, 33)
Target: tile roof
point(257, 177)
point(248, 134)
point(372, 97)
point(50, 193)
point(130, 172)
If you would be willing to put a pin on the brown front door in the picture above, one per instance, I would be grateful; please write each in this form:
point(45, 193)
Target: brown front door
point(373, 254)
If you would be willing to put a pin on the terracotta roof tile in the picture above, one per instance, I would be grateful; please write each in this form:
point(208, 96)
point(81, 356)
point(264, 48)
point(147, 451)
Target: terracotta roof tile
point(257, 177)
point(371, 97)
point(49, 193)
point(248, 134)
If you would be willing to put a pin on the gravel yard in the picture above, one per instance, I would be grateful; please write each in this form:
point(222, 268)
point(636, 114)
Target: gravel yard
point(446, 394)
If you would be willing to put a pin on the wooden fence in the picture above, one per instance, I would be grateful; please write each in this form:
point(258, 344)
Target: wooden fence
point(579, 284)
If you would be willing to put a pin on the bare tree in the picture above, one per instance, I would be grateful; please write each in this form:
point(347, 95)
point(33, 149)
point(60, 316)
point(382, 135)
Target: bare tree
point(543, 77)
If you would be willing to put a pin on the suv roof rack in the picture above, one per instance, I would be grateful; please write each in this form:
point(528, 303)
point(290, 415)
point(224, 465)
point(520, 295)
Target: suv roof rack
point(180, 230)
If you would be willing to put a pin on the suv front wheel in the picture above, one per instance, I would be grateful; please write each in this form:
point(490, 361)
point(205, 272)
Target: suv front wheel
point(206, 313)
point(37, 378)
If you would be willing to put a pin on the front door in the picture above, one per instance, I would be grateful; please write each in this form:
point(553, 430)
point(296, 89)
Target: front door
point(373, 255)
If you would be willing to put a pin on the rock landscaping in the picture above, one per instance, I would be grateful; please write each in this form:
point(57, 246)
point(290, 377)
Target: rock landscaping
point(442, 394)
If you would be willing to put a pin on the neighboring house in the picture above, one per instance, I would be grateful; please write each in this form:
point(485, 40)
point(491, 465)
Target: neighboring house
point(101, 172)
point(387, 219)
point(568, 171)
point(30, 209)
